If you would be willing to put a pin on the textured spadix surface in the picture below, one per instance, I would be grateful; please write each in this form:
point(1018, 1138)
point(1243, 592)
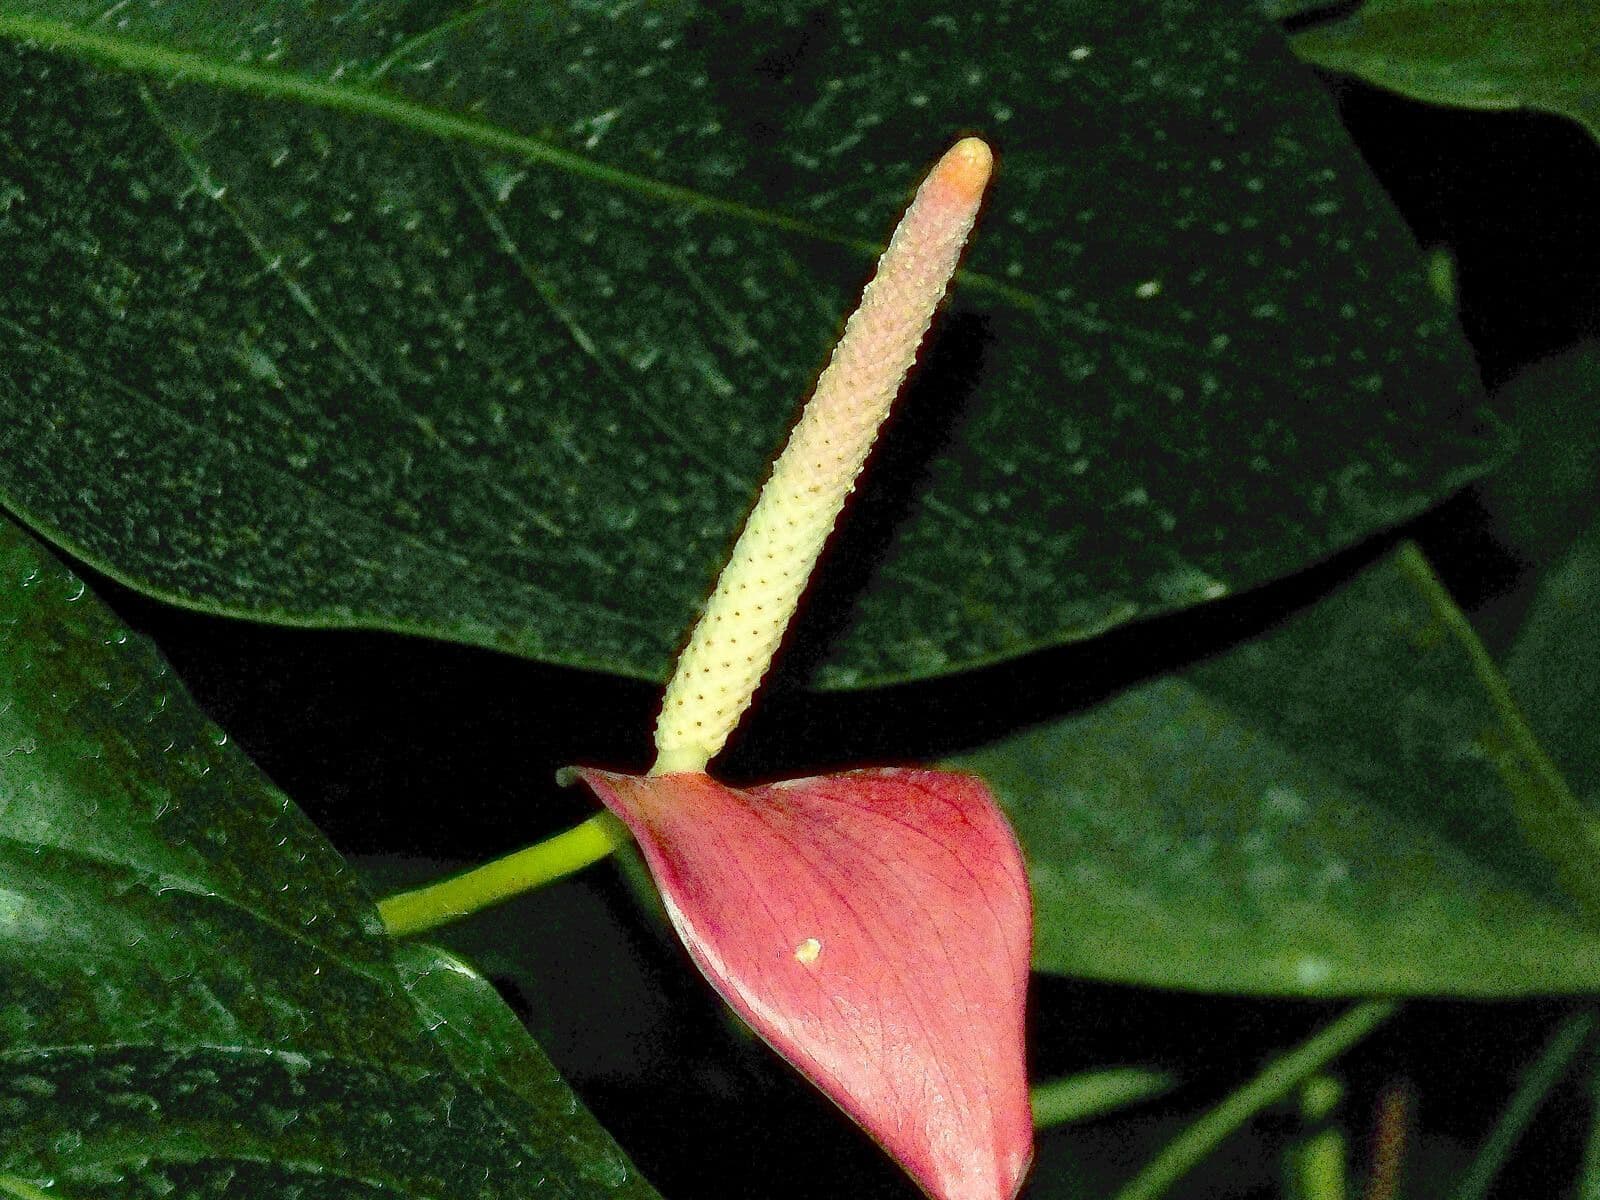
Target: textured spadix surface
point(874, 928)
point(758, 591)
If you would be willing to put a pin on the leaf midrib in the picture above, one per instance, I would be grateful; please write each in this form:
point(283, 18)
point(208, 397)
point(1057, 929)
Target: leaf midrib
point(183, 65)
point(353, 99)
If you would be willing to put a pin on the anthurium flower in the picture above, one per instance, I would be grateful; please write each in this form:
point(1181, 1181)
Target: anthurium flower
point(874, 926)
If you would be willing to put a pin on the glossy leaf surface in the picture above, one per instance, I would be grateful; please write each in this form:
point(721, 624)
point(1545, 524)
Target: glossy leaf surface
point(873, 928)
point(1493, 54)
point(1347, 805)
point(195, 997)
point(482, 320)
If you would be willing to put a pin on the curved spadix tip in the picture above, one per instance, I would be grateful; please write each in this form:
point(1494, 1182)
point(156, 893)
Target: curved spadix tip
point(964, 170)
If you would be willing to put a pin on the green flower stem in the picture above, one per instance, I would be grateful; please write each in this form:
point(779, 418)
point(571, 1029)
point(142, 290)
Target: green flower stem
point(1094, 1093)
point(424, 908)
point(22, 1189)
point(1541, 1075)
point(1275, 1081)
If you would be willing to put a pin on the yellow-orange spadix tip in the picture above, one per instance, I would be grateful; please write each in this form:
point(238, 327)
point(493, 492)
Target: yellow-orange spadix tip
point(964, 170)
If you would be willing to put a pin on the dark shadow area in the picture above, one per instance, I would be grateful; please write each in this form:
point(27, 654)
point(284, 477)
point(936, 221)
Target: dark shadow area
point(401, 744)
point(785, 71)
point(1512, 197)
point(1334, 10)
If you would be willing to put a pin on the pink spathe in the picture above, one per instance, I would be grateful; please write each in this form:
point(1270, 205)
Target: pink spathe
point(874, 928)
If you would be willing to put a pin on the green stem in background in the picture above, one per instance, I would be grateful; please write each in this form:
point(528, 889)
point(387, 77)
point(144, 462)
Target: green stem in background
point(1541, 1075)
point(1316, 1161)
point(424, 908)
point(1275, 1081)
point(1094, 1093)
point(1320, 1166)
point(23, 1190)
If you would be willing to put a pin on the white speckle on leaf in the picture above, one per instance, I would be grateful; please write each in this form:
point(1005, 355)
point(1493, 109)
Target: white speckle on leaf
point(1283, 804)
point(1309, 972)
point(12, 907)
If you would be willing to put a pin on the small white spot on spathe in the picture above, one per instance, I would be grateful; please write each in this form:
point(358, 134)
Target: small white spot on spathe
point(1148, 290)
point(808, 951)
point(1079, 53)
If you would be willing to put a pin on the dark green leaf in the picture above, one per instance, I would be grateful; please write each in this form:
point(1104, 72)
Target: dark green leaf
point(1546, 493)
point(1544, 503)
point(481, 321)
point(1554, 665)
point(1348, 805)
point(490, 1048)
point(195, 997)
point(1475, 53)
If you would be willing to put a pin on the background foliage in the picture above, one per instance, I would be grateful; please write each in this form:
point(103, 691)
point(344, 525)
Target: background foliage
point(456, 343)
point(479, 321)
